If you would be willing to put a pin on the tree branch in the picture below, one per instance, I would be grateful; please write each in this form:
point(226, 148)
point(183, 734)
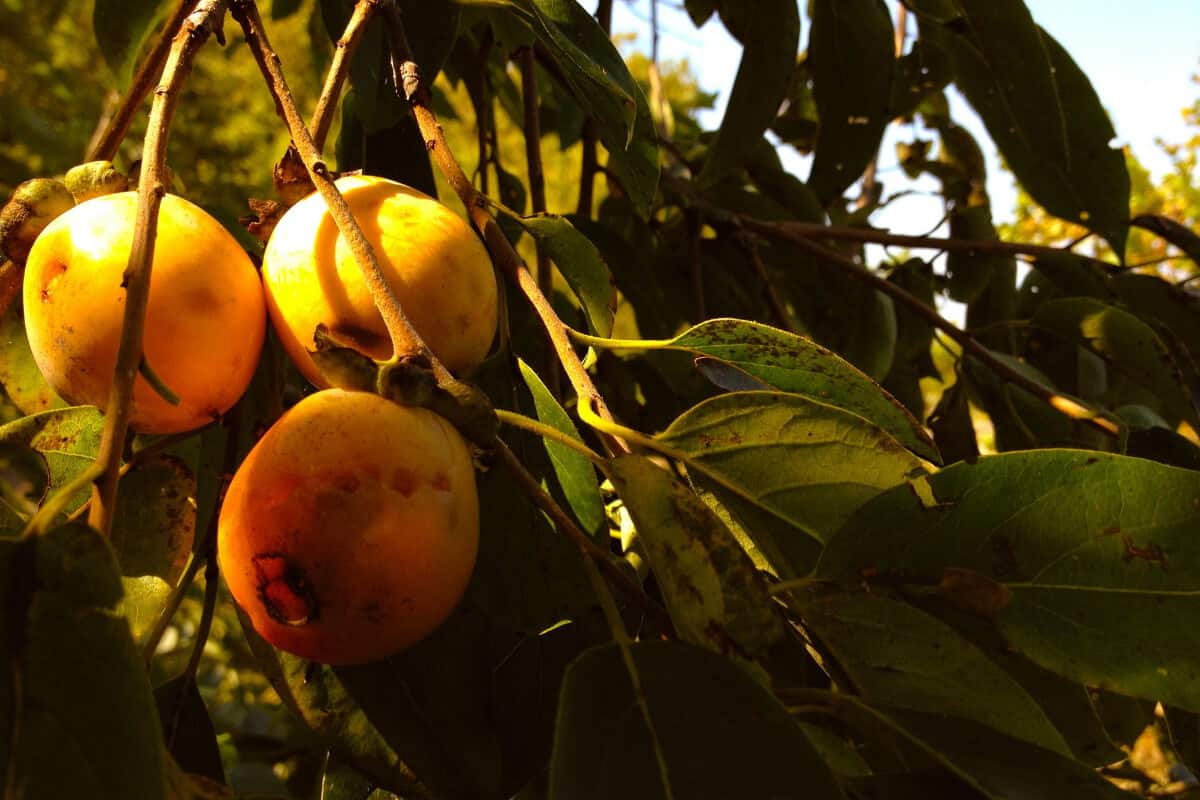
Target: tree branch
point(339, 67)
point(405, 339)
point(408, 77)
point(194, 31)
point(803, 238)
point(105, 143)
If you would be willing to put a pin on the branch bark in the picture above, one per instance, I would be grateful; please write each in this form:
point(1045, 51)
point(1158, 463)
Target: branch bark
point(105, 143)
point(339, 68)
point(408, 77)
point(195, 29)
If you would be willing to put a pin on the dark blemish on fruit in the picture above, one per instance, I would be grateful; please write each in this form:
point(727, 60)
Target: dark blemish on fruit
point(346, 482)
point(441, 482)
point(284, 589)
point(404, 481)
point(374, 612)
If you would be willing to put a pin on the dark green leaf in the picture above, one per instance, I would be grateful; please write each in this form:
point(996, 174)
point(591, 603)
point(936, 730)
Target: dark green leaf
point(81, 719)
point(771, 36)
point(716, 597)
point(1097, 551)
point(897, 655)
point(790, 469)
point(1177, 234)
point(155, 519)
point(721, 734)
point(1042, 112)
point(575, 473)
point(924, 69)
point(187, 729)
point(121, 28)
point(852, 55)
point(1074, 274)
point(798, 365)
point(23, 482)
point(581, 264)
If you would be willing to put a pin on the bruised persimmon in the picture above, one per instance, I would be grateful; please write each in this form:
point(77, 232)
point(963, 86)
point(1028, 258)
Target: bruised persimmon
point(434, 262)
point(205, 318)
point(350, 531)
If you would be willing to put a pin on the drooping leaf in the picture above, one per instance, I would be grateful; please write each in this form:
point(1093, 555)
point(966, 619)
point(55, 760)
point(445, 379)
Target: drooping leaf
point(792, 470)
point(81, 719)
point(187, 728)
point(716, 597)
point(581, 264)
point(899, 656)
point(600, 81)
point(1042, 112)
point(1096, 551)
point(121, 28)
point(798, 365)
point(852, 54)
point(575, 473)
point(720, 733)
point(770, 34)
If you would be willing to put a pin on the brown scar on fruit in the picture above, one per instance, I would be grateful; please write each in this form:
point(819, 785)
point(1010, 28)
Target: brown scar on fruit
point(284, 589)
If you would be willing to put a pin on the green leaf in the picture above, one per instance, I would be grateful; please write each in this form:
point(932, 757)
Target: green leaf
point(154, 522)
point(581, 264)
point(1135, 355)
point(187, 728)
point(67, 438)
point(923, 70)
point(575, 473)
point(19, 375)
point(1042, 112)
point(716, 597)
point(853, 59)
point(993, 765)
point(598, 78)
point(770, 35)
point(790, 469)
point(143, 599)
point(23, 482)
point(721, 734)
point(121, 28)
point(1074, 274)
point(1097, 551)
point(897, 655)
point(799, 365)
point(80, 718)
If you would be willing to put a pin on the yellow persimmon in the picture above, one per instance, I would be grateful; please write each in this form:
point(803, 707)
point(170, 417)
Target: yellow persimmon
point(431, 258)
point(205, 319)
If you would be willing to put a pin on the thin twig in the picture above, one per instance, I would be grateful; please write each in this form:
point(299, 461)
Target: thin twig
point(774, 301)
point(339, 68)
point(405, 339)
point(966, 341)
point(408, 76)
point(195, 30)
point(591, 133)
point(870, 182)
point(104, 145)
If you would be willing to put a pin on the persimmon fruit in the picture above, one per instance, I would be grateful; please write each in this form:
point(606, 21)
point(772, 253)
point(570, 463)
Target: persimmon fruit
point(350, 530)
point(434, 262)
point(205, 319)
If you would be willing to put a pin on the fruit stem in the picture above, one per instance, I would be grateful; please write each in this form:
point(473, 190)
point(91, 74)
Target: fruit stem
point(103, 146)
point(339, 67)
point(206, 19)
point(407, 76)
point(405, 339)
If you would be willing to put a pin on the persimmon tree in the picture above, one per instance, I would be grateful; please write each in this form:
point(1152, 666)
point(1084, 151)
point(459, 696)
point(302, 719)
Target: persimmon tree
point(739, 533)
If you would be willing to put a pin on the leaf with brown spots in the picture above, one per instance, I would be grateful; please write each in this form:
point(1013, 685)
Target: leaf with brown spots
point(20, 378)
point(1098, 553)
point(790, 469)
point(716, 597)
point(155, 518)
point(67, 438)
point(797, 364)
